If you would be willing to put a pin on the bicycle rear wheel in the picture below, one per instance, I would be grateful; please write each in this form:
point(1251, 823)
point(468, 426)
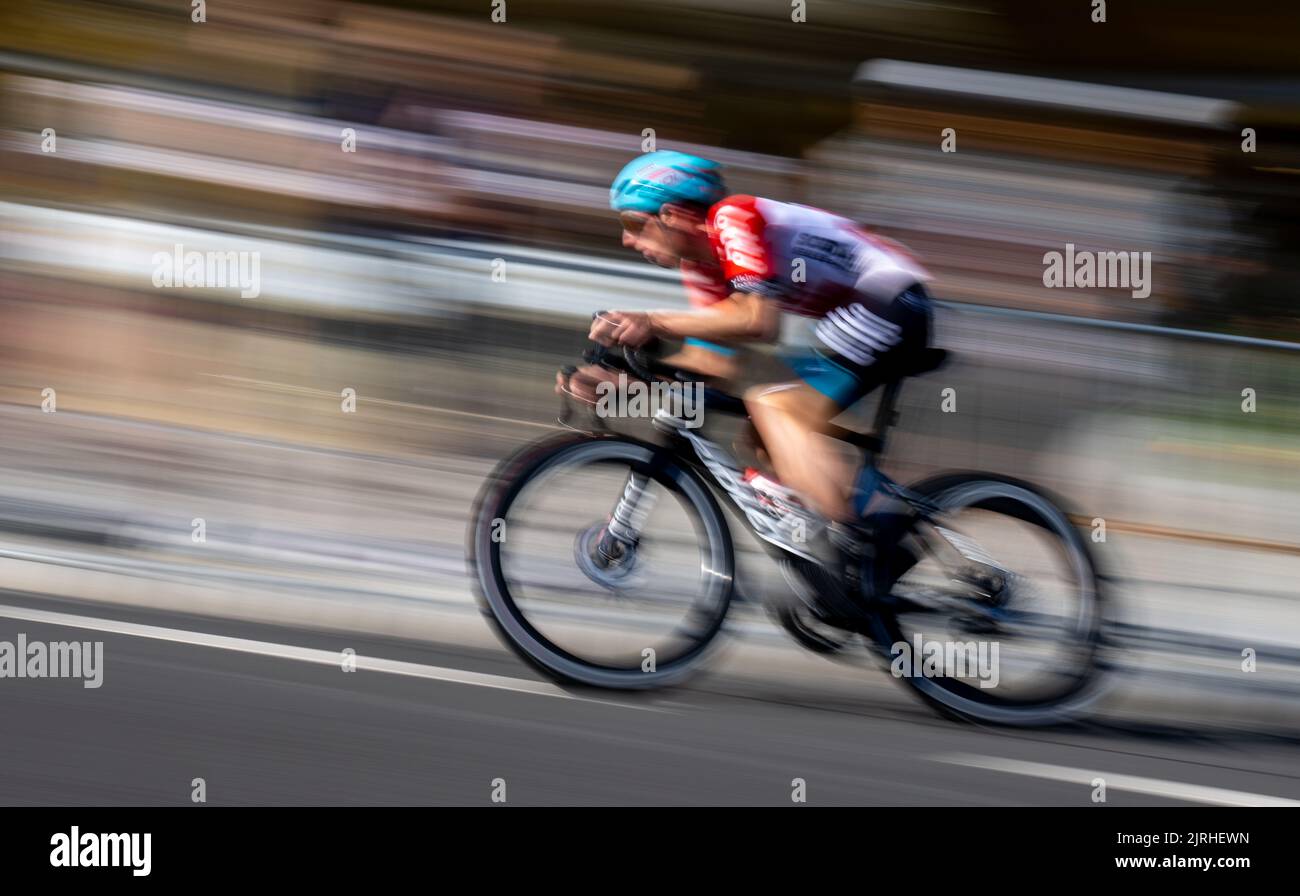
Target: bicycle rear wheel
point(585, 609)
point(1002, 618)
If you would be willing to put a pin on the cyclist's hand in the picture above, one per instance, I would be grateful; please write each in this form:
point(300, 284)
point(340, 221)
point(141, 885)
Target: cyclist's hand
point(583, 384)
point(622, 328)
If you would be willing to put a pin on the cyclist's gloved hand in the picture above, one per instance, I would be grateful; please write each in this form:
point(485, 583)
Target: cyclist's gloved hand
point(632, 328)
point(581, 383)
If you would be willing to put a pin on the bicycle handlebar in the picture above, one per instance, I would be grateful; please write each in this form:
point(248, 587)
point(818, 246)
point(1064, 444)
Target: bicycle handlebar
point(637, 361)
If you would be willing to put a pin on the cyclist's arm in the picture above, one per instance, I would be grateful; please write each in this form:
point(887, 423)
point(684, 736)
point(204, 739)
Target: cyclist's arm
point(742, 317)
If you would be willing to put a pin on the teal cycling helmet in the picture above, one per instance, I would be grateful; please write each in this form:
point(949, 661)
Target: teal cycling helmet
point(650, 181)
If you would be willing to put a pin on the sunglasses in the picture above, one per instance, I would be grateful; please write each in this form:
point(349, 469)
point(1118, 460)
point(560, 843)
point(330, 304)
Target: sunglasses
point(634, 222)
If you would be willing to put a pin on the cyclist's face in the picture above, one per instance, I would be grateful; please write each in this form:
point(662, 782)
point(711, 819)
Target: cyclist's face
point(647, 235)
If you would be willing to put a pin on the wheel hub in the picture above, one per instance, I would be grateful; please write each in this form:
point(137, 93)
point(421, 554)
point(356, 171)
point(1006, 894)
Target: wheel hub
point(609, 563)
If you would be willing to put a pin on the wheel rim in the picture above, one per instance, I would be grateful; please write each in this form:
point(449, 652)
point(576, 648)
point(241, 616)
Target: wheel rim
point(1075, 688)
point(703, 614)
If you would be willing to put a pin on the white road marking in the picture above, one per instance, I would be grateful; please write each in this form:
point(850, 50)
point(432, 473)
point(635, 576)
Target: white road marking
point(307, 655)
point(1193, 793)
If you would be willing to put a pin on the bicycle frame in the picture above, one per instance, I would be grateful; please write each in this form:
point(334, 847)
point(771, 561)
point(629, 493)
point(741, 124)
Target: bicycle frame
point(722, 469)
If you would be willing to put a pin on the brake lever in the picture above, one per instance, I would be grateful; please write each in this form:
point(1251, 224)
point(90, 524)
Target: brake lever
point(596, 353)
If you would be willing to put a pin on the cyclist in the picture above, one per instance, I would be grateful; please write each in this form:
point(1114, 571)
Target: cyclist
point(745, 260)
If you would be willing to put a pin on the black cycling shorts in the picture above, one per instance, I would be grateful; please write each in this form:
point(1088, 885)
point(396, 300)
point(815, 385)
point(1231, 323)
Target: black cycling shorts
point(865, 345)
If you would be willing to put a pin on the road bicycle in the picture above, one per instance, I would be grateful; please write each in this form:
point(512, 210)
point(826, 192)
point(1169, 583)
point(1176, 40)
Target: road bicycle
point(606, 560)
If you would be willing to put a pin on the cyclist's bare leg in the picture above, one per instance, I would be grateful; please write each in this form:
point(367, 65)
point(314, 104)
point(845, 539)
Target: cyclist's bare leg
point(790, 418)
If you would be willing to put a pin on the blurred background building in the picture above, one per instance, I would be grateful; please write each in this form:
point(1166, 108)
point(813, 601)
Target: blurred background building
point(469, 128)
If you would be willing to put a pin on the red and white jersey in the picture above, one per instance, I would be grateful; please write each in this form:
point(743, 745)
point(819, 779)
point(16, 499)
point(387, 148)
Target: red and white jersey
point(807, 260)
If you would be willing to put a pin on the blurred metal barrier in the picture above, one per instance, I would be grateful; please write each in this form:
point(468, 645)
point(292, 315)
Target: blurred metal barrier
point(1123, 326)
point(375, 276)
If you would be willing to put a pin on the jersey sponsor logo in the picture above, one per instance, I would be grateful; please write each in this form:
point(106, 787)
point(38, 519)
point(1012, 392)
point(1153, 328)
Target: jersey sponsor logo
point(737, 235)
point(758, 286)
point(837, 254)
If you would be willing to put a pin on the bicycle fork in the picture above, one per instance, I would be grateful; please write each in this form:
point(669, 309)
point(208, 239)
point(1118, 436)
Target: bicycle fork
point(623, 531)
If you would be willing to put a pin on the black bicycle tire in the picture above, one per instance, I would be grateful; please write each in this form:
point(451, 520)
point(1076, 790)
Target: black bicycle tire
point(494, 501)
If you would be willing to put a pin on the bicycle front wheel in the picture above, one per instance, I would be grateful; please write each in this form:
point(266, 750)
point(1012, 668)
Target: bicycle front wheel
point(634, 612)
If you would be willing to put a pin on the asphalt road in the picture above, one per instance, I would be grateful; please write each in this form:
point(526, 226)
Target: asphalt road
point(268, 716)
